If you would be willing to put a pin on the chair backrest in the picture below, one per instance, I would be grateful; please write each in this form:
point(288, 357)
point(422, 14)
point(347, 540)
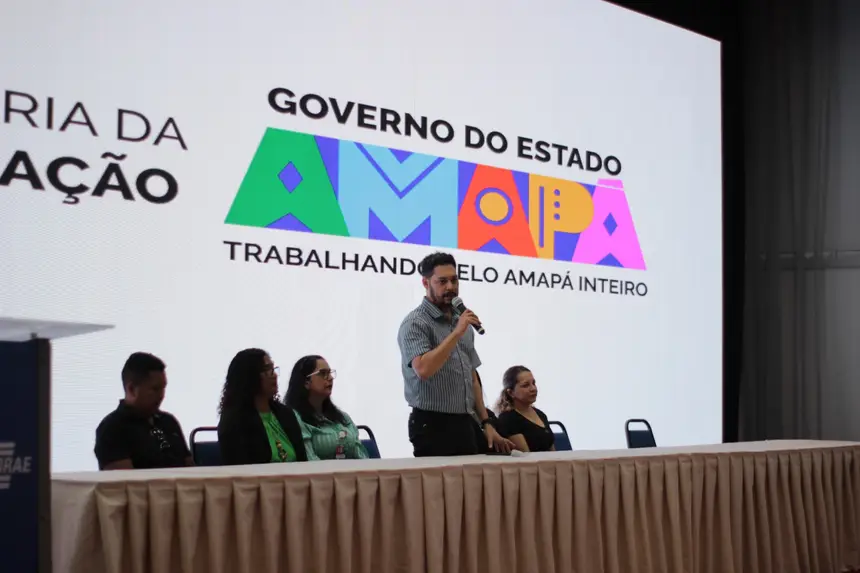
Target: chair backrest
point(369, 443)
point(562, 440)
point(205, 453)
point(642, 437)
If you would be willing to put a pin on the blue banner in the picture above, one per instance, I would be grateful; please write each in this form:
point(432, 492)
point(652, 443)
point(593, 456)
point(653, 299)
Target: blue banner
point(19, 456)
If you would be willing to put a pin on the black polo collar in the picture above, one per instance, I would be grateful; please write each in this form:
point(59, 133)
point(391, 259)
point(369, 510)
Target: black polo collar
point(132, 412)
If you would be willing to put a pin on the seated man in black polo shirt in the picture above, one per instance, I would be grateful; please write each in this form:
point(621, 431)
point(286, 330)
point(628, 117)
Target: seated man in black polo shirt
point(137, 435)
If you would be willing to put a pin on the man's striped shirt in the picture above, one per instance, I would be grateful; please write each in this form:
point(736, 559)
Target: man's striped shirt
point(450, 389)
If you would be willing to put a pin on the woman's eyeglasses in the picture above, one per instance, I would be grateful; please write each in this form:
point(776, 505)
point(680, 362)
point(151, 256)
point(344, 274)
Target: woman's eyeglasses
point(329, 374)
point(274, 370)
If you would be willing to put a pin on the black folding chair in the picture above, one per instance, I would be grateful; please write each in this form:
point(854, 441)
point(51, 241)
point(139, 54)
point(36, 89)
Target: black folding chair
point(369, 443)
point(562, 440)
point(205, 453)
point(641, 437)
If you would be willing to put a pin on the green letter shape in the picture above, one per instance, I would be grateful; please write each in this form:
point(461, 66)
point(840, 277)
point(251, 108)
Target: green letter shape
point(262, 198)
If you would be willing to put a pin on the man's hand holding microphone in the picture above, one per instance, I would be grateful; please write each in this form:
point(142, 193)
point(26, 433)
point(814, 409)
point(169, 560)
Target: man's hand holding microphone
point(467, 319)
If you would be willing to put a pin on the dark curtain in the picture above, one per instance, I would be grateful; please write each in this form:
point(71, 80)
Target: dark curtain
point(791, 202)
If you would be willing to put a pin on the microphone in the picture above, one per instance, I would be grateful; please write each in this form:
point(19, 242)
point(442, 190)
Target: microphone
point(458, 305)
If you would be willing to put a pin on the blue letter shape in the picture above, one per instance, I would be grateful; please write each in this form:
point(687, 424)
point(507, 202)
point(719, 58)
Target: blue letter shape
point(402, 195)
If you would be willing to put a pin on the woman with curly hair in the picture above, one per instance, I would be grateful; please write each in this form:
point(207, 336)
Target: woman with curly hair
point(519, 420)
point(255, 428)
point(328, 432)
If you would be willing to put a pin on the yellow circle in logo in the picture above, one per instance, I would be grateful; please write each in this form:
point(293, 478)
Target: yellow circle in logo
point(494, 206)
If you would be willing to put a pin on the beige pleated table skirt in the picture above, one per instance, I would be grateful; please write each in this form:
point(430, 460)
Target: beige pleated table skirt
point(782, 506)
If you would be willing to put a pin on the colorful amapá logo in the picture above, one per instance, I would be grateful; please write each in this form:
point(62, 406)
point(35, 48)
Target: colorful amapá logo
point(303, 182)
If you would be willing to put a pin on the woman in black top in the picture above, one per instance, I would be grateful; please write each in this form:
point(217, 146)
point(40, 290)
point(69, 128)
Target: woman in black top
point(255, 428)
point(519, 420)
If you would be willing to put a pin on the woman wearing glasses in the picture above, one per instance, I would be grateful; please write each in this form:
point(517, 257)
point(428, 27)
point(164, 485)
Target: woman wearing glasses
point(328, 432)
point(255, 428)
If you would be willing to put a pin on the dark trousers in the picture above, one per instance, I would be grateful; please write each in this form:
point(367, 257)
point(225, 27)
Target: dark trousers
point(439, 434)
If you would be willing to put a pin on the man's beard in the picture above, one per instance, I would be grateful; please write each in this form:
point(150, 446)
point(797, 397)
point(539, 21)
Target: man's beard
point(442, 301)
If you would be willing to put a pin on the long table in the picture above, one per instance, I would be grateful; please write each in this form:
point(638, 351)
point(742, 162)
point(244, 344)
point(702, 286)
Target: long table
point(780, 506)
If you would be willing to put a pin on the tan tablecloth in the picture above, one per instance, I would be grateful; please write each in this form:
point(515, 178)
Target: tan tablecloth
point(759, 507)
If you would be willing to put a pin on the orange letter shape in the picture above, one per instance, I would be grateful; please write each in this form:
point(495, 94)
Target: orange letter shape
point(512, 233)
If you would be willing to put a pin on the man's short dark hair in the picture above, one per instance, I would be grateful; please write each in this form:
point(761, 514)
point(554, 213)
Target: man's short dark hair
point(139, 366)
point(430, 262)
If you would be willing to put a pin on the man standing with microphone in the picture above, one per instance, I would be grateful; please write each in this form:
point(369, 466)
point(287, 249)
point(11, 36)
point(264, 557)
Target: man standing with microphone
point(439, 362)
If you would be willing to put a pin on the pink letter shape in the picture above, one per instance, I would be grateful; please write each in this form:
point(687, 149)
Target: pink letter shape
point(596, 243)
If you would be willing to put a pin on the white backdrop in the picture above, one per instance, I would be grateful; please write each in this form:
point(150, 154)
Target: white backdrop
point(582, 73)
